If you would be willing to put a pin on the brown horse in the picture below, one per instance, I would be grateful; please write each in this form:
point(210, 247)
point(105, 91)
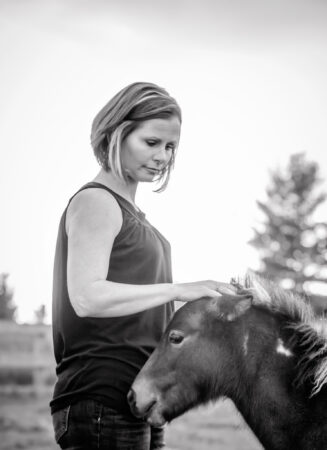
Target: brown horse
point(258, 345)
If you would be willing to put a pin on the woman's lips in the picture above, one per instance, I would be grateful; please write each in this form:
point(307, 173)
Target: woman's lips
point(152, 170)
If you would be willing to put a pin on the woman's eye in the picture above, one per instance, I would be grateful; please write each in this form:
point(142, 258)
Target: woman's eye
point(170, 148)
point(151, 143)
point(175, 338)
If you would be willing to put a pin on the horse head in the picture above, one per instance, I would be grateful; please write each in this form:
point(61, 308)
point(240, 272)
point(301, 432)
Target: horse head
point(177, 375)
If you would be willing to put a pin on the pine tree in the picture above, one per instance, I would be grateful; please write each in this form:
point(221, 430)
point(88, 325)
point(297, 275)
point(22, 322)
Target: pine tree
point(7, 309)
point(40, 314)
point(291, 244)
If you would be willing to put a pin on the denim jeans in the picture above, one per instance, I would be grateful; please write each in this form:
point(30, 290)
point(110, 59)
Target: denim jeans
point(90, 425)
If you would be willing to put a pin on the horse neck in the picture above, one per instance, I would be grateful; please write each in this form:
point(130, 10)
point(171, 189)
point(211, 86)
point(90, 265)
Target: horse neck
point(262, 392)
point(266, 414)
point(292, 424)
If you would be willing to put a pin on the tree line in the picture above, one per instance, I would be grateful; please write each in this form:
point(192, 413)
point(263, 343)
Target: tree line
point(8, 308)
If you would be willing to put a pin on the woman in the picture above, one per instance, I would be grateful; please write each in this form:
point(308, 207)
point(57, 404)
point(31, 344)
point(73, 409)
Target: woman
point(113, 292)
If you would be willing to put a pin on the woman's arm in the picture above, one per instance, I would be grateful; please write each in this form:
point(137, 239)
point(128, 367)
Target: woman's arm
point(93, 221)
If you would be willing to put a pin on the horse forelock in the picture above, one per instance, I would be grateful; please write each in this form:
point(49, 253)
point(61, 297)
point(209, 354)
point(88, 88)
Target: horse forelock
point(271, 297)
point(310, 332)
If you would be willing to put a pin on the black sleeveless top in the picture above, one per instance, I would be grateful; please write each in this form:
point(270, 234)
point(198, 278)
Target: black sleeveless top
point(99, 358)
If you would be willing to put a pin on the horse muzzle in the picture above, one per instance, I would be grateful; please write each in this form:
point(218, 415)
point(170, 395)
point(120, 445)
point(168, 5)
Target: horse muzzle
point(143, 403)
point(139, 408)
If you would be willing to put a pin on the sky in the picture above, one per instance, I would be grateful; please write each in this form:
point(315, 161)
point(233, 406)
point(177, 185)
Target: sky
point(250, 77)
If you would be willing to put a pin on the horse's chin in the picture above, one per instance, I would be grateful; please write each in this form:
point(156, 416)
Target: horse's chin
point(156, 418)
point(159, 416)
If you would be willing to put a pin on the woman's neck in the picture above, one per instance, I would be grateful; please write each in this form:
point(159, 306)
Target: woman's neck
point(125, 189)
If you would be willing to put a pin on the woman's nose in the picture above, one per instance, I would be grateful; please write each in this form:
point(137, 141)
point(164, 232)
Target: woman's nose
point(161, 155)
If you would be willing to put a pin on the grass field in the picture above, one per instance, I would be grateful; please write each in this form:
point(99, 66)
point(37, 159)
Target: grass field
point(25, 423)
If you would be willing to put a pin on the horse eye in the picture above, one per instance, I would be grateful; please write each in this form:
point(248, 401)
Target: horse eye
point(175, 337)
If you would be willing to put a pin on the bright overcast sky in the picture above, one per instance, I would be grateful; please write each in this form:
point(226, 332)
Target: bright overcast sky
point(250, 76)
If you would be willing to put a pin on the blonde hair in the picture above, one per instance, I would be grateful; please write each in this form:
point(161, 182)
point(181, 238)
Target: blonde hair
point(121, 115)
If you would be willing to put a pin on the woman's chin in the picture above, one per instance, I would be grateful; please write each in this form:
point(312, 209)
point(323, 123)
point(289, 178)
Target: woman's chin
point(141, 178)
point(147, 179)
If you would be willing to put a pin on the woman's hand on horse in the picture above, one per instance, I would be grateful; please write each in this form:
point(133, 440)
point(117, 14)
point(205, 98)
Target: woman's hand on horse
point(188, 292)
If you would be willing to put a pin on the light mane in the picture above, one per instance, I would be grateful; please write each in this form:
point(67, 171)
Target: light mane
point(310, 331)
point(270, 296)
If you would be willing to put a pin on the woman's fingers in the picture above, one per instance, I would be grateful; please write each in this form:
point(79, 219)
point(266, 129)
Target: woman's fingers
point(226, 288)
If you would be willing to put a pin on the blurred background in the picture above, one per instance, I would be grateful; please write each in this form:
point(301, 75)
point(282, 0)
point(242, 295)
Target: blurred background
point(248, 190)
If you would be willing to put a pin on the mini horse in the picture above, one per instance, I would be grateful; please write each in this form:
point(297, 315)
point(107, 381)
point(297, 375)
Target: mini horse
point(258, 345)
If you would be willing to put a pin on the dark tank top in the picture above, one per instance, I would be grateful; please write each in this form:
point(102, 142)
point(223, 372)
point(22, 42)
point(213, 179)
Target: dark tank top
point(98, 358)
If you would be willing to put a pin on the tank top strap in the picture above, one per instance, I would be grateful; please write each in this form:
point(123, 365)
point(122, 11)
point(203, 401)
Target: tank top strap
point(123, 203)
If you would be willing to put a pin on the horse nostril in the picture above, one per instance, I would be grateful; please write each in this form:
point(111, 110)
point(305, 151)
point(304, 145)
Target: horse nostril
point(131, 397)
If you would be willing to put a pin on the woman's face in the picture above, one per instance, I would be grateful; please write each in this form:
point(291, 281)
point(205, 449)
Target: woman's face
point(147, 150)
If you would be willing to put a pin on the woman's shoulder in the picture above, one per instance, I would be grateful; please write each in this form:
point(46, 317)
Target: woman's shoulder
point(94, 204)
point(93, 196)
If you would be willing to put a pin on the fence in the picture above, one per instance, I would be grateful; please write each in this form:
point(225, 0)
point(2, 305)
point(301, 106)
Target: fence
point(26, 356)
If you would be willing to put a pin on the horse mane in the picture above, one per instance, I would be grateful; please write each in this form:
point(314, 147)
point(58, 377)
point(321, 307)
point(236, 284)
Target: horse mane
point(310, 331)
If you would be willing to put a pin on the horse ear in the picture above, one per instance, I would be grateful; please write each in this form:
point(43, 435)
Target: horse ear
point(241, 305)
point(259, 292)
